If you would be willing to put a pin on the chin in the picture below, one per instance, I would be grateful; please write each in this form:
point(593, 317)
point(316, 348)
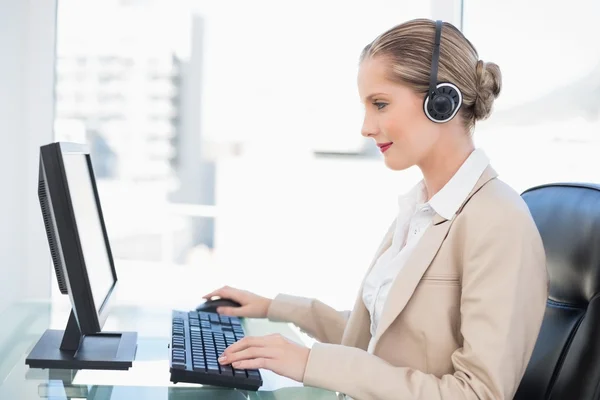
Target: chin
point(397, 165)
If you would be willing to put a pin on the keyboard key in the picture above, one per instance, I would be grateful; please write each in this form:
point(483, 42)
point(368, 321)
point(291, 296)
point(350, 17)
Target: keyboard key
point(212, 369)
point(226, 370)
point(200, 367)
point(177, 365)
point(239, 372)
point(253, 373)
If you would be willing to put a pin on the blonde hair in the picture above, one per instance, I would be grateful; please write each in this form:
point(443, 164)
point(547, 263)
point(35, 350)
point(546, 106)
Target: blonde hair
point(409, 48)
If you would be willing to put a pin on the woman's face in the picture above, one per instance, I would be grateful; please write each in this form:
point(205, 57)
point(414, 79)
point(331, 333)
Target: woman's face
point(394, 117)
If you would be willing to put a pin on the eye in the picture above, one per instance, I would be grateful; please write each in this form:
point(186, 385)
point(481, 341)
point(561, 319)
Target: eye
point(379, 105)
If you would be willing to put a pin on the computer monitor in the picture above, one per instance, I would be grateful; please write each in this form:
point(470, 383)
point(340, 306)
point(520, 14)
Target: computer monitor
point(83, 264)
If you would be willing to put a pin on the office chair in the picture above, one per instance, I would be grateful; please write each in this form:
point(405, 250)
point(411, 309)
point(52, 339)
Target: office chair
point(566, 359)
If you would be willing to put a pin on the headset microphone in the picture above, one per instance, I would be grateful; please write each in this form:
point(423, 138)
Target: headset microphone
point(443, 100)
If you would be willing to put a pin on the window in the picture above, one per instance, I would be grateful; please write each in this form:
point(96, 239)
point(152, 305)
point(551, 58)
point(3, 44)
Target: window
point(210, 172)
point(547, 118)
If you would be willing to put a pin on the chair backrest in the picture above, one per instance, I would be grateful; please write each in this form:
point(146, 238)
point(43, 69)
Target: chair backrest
point(566, 360)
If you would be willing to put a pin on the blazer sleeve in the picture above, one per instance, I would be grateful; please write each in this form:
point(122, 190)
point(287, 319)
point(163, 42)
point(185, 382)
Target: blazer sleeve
point(504, 293)
point(315, 318)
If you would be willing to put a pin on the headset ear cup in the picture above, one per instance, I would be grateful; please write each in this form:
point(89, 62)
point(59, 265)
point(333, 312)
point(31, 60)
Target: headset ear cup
point(443, 104)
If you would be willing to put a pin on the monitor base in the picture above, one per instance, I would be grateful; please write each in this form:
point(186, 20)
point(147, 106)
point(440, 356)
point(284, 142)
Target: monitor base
point(105, 350)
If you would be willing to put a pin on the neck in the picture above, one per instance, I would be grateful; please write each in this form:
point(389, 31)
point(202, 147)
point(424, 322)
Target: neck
point(443, 161)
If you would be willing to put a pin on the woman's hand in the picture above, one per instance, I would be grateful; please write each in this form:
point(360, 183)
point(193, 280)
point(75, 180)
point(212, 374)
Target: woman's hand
point(253, 305)
point(273, 352)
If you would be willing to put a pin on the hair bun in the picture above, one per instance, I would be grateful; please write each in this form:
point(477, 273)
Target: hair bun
point(489, 84)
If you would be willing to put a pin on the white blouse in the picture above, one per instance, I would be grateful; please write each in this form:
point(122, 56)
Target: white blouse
point(414, 217)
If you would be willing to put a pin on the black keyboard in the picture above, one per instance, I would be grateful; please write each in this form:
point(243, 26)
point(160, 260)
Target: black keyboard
point(197, 340)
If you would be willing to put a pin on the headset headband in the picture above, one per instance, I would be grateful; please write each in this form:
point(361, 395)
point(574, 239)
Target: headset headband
point(436, 57)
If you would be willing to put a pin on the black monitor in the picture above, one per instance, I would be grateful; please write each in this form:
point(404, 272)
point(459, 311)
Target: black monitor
point(83, 264)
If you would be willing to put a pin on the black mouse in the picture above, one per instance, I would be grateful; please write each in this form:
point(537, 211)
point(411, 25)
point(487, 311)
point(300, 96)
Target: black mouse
point(211, 305)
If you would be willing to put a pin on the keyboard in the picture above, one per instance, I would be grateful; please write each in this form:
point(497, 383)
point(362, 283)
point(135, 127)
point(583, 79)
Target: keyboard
point(197, 340)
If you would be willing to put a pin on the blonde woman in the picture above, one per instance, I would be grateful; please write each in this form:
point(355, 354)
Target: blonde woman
point(452, 303)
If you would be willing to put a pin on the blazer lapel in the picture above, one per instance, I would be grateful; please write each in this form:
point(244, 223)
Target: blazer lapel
point(409, 277)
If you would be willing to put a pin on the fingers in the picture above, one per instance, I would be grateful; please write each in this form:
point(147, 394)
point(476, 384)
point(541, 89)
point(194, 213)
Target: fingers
point(245, 343)
point(231, 311)
point(250, 353)
point(224, 292)
point(218, 292)
point(257, 363)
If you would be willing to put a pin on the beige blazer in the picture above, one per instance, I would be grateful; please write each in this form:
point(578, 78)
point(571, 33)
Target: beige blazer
point(461, 319)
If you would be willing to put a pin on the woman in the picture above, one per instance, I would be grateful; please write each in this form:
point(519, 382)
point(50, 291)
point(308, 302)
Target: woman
point(453, 301)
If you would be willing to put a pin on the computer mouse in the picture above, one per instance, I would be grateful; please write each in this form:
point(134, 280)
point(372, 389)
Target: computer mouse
point(211, 305)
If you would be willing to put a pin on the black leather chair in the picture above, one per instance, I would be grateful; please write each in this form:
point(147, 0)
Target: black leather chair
point(566, 360)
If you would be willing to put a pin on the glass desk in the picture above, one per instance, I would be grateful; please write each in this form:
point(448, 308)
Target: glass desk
point(148, 379)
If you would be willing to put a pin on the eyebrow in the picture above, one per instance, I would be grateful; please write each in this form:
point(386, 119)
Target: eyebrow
point(372, 96)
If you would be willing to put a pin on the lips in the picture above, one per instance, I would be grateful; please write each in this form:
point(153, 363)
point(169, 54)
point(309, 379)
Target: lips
point(384, 146)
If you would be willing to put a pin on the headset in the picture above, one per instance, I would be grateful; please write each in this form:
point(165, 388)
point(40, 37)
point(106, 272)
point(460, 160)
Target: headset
point(443, 100)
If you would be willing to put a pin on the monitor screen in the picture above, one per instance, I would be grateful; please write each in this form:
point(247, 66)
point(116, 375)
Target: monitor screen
point(89, 227)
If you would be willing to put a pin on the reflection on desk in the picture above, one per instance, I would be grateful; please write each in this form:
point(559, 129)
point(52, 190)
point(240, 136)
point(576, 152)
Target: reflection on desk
point(147, 379)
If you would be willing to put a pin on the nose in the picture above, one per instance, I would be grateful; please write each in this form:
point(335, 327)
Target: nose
point(369, 128)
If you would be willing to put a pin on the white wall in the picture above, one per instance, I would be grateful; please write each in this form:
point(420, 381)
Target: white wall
point(27, 43)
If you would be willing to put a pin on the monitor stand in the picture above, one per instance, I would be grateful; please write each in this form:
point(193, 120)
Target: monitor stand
point(69, 349)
